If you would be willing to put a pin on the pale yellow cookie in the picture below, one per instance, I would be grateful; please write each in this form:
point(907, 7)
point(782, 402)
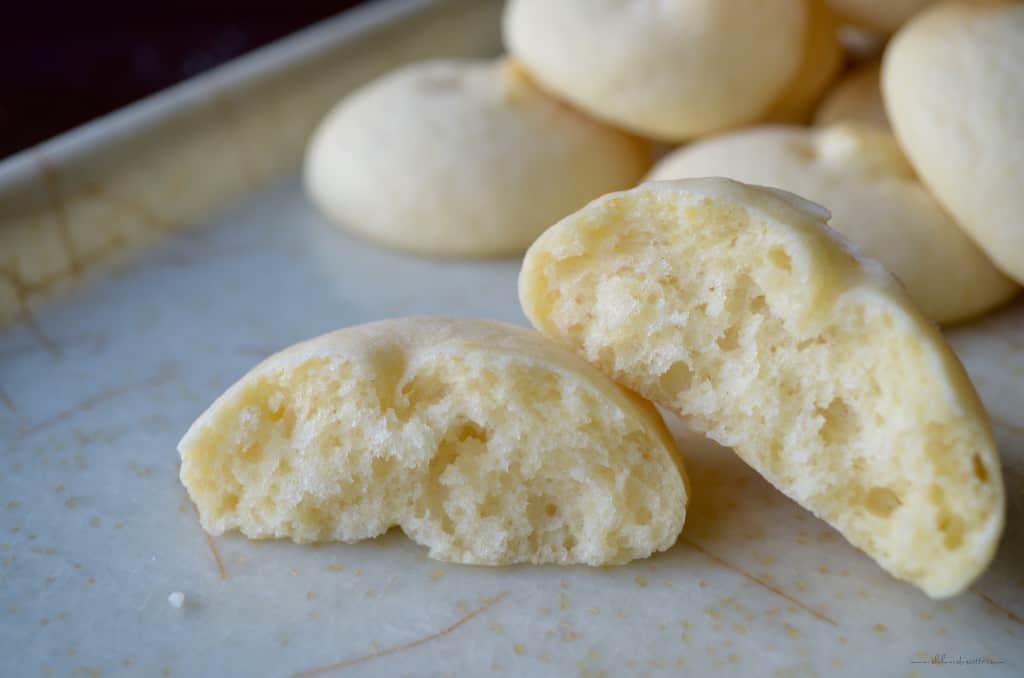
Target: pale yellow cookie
point(821, 62)
point(485, 442)
point(855, 98)
point(879, 16)
point(679, 69)
point(953, 84)
point(738, 308)
point(462, 158)
point(876, 201)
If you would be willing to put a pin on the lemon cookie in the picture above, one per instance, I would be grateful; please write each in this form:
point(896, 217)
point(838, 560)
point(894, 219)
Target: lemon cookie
point(738, 308)
point(879, 16)
point(876, 201)
point(460, 158)
point(953, 85)
point(672, 70)
point(821, 62)
point(485, 442)
point(855, 98)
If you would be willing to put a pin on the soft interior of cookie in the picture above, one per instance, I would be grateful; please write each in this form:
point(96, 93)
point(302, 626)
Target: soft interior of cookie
point(704, 307)
point(484, 460)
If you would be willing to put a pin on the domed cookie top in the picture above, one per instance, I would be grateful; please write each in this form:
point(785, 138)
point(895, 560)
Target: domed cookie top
point(862, 177)
point(675, 70)
point(461, 158)
point(485, 442)
point(953, 84)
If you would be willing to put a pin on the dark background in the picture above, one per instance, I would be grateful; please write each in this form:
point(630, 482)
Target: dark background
point(63, 63)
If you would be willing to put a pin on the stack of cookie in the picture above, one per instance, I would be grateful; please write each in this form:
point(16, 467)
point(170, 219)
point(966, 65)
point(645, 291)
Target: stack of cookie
point(775, 284)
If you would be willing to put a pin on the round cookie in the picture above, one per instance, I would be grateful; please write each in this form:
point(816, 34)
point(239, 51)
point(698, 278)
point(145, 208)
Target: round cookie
point(483, 441)
point(736, 307)
point(460, 158)
point(856, 98)
point(822, 60)
point(880, 16)
point(670, 70)
point(876, 201)
point(953, 85)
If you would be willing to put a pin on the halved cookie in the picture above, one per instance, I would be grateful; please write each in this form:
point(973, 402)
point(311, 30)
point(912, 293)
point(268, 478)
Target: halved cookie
point(738, 308)
point(485, 442)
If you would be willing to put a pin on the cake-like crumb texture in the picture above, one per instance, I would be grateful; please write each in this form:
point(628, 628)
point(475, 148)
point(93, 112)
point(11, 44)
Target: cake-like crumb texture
point(738, 308)
point(485, 442)
point(861, 176)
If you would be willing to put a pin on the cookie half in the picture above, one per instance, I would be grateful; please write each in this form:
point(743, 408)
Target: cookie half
point(485, 442)
point(739, 309)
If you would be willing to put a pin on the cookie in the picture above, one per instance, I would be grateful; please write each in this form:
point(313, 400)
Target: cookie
point(463, 159)
point(736, 307)
point(856, 98)
point(876, 201)
point(674, 70)
point(821, 62)
point(953, 85)
point(879, 16)
point(485, 442)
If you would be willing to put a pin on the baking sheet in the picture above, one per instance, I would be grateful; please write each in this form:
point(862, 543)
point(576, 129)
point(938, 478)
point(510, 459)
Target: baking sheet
point(101, 374)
